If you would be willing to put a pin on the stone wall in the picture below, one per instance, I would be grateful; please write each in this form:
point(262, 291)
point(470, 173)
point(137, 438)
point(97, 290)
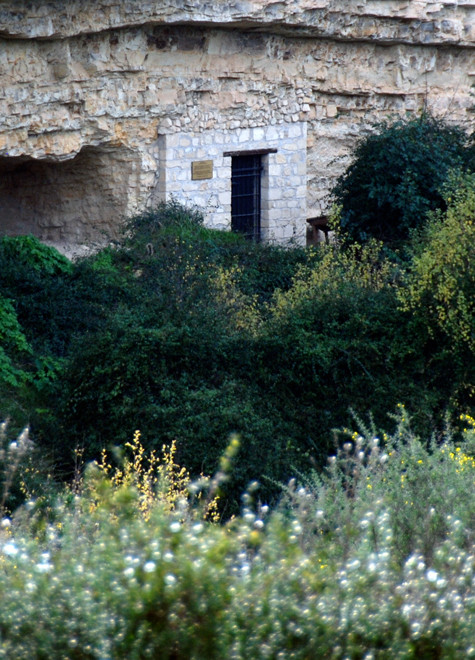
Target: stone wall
point(284, 184)
point(89, 87)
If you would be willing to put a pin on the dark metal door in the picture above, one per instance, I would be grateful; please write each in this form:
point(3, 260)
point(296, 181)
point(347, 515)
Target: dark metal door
point(246, 195)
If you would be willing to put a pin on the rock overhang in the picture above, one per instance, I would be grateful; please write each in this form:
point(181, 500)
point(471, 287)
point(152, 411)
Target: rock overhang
point(118, 75)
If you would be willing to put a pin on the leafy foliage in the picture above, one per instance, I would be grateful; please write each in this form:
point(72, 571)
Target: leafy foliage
point(194, 334)
point(374, 557)
point(439, 288)
point(442, 275)
point(396, 177)
point(13, 346)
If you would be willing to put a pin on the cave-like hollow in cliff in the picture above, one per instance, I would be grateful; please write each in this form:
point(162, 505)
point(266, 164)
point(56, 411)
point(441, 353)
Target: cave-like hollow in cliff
point(67, 202)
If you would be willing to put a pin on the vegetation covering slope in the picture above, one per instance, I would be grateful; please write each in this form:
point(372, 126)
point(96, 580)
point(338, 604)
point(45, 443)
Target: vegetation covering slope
point(192, 334)
point(142, 361)
point(372, 558)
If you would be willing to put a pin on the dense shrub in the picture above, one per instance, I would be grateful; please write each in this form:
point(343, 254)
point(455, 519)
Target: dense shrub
point(441, 279)
point(50, 301)
point(13, 346)
point(179, 353)
point(438, 288)
point(193, 334)
point(200, 353)
point(396, 177)
point(337, 339)
point(372, 558)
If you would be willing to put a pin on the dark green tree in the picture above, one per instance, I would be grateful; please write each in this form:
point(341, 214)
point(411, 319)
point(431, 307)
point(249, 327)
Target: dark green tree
point(396, 177)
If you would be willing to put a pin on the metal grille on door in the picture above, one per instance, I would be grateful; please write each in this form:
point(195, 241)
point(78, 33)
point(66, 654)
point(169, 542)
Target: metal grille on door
point(246, 195)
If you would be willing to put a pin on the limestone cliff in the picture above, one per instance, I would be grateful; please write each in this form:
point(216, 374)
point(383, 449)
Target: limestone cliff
point(88, 88)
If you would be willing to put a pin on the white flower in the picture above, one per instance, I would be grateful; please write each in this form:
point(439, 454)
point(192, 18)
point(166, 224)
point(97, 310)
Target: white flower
point(6, 522)
point(149, 567)
point(432, 575)
point(10, 549)
point(175, 527)
point(170, 579)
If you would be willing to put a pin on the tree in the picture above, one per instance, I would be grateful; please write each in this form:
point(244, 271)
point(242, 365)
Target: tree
point(396, 176)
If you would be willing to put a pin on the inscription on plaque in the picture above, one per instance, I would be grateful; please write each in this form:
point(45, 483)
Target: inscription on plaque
point(201, 169)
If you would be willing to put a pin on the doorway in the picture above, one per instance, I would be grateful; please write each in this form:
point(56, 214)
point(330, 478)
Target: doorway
point(246, 174)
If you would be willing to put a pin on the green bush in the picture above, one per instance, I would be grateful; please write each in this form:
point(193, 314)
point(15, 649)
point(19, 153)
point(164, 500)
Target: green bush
point(336, 340)
point(176, 356)
point(441, 280)
point(28, 251)
point(439, 286)
point(210, 338)
point(372, 558)
point(190, 333)
point(53, 302)
point(396, 177)
point(13, 346)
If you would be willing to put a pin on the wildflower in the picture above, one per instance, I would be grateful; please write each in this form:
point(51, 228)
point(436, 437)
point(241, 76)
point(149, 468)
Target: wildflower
point(10, 549)
point(432, 575)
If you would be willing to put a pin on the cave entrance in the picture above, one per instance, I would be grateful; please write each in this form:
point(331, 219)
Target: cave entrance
point(80, 201)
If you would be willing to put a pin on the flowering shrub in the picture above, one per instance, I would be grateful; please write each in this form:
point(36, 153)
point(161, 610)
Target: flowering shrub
point(374, 558)
point(157, 480)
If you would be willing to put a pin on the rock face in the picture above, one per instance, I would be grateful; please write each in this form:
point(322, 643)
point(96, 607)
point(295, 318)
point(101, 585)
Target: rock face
point(107, 106)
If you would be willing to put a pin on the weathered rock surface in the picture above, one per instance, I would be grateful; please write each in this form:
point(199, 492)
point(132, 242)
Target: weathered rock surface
point(394, 21)
point(87, 88)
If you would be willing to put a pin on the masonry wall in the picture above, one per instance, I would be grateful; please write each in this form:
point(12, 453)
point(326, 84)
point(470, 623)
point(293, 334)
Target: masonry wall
point(123, 82)
point(284, 180)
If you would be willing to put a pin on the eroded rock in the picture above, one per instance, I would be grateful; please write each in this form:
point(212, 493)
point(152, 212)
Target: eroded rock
point(90, 90)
